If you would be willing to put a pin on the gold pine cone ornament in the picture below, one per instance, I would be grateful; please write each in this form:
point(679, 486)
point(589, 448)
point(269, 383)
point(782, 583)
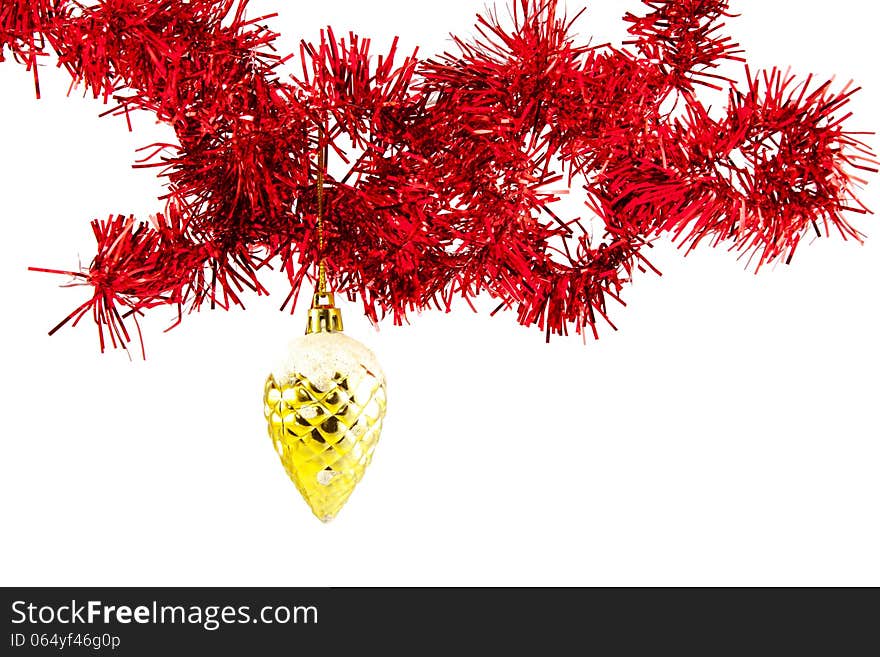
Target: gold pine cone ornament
point(324, 406)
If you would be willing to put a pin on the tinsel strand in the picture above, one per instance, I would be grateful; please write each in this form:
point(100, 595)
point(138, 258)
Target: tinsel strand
point(454, 162)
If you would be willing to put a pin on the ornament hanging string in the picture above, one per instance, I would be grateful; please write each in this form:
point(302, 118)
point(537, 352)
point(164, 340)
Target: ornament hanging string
point(462, 156)
point(322, 266)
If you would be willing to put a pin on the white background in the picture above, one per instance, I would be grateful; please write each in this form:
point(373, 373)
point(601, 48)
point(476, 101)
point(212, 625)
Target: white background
point(727, 434)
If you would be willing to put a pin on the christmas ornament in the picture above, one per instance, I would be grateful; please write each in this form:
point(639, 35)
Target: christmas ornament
point(326, 402)
point(325, 406)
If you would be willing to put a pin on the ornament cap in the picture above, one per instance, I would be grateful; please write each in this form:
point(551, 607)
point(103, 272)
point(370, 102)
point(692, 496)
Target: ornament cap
point(324, 316)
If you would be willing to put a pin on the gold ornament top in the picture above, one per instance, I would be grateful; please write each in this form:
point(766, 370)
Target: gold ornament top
point(324, 316)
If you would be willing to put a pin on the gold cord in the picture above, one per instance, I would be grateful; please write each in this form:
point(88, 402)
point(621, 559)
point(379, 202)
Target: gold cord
point(324, 316)
point(322, 269)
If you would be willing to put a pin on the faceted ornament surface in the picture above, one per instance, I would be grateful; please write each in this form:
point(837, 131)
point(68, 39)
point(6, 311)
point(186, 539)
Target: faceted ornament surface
point(324, 406)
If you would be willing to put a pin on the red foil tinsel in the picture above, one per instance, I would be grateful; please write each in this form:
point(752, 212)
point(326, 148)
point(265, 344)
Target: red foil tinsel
point(459, 157)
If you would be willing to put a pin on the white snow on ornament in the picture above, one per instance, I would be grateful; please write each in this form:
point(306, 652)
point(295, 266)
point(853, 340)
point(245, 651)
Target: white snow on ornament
point(325, 477)
point(308, 412)
point(319, 356)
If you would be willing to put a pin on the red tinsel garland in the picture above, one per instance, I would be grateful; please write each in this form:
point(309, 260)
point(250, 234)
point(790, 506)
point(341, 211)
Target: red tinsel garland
point(450, 193)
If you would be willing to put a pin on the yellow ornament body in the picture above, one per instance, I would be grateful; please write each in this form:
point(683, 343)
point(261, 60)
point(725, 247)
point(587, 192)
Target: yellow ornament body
point(324, 406)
